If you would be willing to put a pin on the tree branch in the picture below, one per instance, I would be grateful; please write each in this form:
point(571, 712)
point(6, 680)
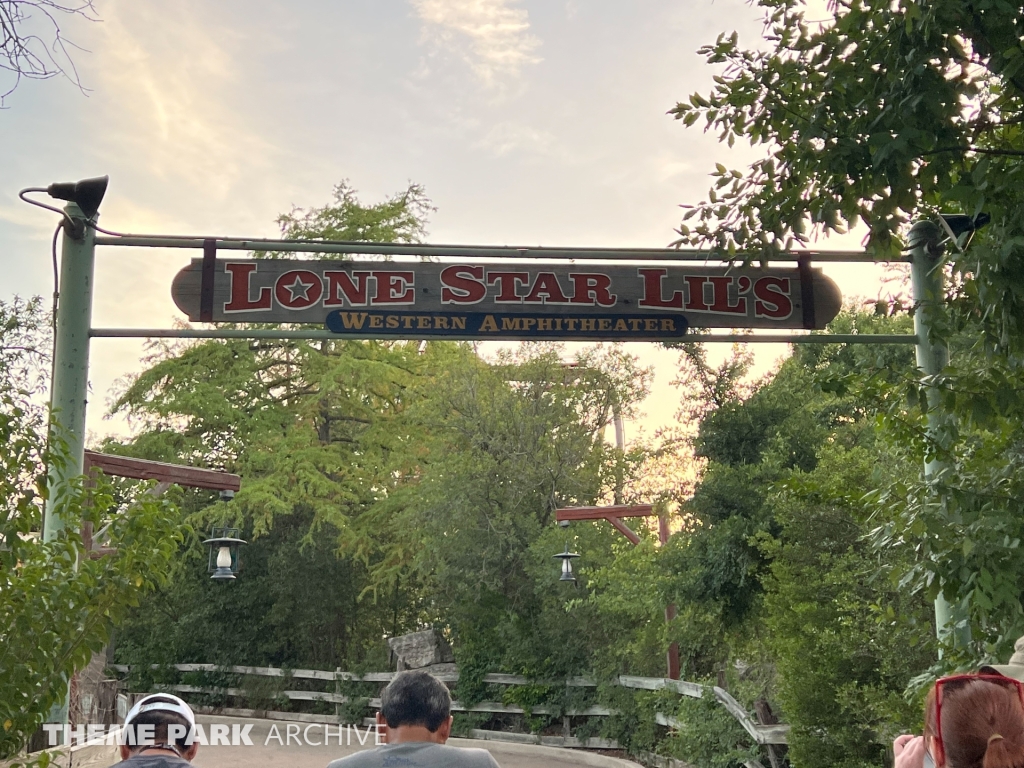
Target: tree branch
point(25, 54)
point(978, 150)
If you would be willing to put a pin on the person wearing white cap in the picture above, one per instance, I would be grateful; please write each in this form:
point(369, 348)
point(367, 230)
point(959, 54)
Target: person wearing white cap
point(163, 727)
point(1014, 667)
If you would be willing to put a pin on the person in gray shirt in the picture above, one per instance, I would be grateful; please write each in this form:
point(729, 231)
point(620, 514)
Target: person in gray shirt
point(415, 718)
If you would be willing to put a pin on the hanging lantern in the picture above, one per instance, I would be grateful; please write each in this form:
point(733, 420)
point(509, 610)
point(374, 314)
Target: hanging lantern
point(224, 544)
point(566, 558)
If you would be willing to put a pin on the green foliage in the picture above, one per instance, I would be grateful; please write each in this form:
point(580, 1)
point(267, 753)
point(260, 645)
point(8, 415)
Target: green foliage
point(58, 606)
point(507, 445)
point(295, 603)
point(871, 114)
point(358, 705)
point(710, 736)
point(796, 607)
point(412, 485)
point(845, 638)
point(400, 218)
point(320, 433)
point(749, 444)
point(878, 113)
point(625, 588)
point(963, 525)
point(265, 692)
point(633, 725)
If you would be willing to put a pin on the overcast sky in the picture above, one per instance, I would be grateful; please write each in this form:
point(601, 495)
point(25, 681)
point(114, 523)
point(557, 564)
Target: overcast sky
point(538, 122)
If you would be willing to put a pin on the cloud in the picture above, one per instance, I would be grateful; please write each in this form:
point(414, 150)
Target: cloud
point(167, 83)
point(491, 36)
point(508, 137)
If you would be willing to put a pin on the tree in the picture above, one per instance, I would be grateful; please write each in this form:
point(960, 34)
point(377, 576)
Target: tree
point(319, 433)
point(780, 595)
point(57, 606)
point(507, 444)
point(421, 475)
point(32, 44)
point(844, 636)
point(876, 114)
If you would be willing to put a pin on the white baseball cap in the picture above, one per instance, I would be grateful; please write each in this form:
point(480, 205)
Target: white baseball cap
point(1014, 667)
point(161, 702)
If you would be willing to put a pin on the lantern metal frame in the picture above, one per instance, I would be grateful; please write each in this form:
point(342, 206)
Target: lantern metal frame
point(566, 558)
point(222, 538)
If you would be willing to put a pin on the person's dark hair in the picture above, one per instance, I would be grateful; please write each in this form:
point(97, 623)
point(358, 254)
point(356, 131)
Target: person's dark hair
point(416, 698)
point(982, 725)
point(160, 721)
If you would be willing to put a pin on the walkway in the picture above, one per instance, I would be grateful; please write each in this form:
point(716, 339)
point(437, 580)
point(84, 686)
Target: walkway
point(271, 749)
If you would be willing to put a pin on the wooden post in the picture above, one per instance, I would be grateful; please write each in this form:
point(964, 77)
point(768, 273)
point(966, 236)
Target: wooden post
point(672, 656)
point(337, 692)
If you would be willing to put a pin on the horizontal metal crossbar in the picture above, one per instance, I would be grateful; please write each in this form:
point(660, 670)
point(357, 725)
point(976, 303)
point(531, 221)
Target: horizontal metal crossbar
point(479, 251)
point(311, 334)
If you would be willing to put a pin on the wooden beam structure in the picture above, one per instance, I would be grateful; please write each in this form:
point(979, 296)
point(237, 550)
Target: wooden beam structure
point(142, 469)
point(602, 513)
point(178, 474)
point(614, 514)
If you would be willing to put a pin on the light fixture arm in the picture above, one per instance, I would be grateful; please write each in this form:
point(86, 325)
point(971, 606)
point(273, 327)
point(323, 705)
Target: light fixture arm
point(67, 219)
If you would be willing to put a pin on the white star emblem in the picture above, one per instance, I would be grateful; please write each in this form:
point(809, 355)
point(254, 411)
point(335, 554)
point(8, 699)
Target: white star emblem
point(299, 289)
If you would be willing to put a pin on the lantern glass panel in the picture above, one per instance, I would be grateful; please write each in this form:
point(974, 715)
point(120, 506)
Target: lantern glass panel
point(224, 557)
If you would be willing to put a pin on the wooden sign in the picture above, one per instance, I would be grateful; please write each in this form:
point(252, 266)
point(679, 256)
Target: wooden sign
point(504, 301)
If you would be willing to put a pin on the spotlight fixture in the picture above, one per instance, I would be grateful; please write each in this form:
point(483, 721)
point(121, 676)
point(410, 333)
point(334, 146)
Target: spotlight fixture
point(959, 223)
point(87, 193)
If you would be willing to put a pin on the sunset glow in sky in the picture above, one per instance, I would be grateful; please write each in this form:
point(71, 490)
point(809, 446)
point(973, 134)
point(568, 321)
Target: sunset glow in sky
point(539, 122)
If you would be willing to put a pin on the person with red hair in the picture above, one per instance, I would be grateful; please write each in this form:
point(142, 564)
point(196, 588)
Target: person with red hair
point(970, 721)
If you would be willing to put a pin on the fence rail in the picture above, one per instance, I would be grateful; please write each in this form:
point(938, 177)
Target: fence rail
point(761, 734)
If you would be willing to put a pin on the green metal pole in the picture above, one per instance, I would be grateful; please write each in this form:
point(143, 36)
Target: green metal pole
point(932, 357)
point(69, 388)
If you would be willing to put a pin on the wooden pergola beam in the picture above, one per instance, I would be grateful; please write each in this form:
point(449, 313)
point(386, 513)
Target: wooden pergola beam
point(143, 469)
point(624, 529)
point(603, 513)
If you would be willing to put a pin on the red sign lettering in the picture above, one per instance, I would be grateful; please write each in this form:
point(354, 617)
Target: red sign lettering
point(298, 289)
point(570, 296)
point(653, 295)
point(394, 288)
point(507, 285)
point(340, 283)
point(462, 285)
point(546, 290)
point(241, 273)
point(591, 288)
point(695, 287)
point(772, 298)
point(721, 294)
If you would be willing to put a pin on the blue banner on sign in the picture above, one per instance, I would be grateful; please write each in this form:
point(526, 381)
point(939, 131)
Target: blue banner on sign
point(372, 324)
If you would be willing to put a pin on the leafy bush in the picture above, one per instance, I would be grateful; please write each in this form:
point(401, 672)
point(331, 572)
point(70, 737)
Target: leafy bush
point(57, 605)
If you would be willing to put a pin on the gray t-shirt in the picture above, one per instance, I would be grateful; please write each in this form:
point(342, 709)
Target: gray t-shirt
point(417, 754)
point(153, 761)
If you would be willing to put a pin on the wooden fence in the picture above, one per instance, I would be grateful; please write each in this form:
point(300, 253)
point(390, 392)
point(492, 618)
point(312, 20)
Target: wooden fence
point(762, 734)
